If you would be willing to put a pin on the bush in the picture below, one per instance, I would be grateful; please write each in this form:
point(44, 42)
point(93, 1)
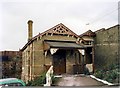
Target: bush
point(99, 74)
point(38, 81)
point(54, 80)
point(41, 80)
point(110, 75)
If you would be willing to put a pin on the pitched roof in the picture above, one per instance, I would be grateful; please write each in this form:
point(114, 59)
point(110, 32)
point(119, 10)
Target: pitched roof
point(88, 33)
point(59, 29)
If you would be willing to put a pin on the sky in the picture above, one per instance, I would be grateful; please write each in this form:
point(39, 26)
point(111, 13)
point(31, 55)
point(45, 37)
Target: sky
point(77, 15)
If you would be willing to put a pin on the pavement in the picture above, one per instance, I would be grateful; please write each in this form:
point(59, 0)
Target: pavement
point(78, 80)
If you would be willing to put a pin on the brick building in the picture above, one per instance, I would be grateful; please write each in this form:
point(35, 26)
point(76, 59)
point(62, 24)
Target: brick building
point(57, 46)
point(10, 64)
point(107, 47)
point(68, 52)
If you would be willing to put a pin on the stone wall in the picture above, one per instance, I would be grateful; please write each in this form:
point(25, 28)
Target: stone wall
point(107, 47)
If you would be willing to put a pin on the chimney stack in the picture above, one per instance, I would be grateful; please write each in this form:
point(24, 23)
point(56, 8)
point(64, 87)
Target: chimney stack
point(30, 22)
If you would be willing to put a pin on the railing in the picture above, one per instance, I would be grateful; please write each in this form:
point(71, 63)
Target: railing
point(49, 75)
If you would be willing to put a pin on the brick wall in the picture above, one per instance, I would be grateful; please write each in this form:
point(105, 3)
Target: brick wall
point(33, 57)
point(106, 47)
point(11, 63)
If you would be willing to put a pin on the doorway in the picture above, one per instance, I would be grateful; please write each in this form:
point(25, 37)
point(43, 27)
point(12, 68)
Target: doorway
point(59, 62)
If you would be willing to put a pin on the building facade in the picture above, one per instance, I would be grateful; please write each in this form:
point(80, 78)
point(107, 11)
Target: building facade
point(107, 47)
point(68, 52)
point(59, 47)
point(10, 64)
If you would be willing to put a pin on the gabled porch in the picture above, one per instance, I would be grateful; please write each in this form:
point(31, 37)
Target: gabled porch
point(68, 57)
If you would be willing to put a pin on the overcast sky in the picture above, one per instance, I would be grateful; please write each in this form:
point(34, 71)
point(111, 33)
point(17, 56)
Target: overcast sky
point(74, 14)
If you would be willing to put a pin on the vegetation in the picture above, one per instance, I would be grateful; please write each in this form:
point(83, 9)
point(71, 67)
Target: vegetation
point(110, 74)
point(54, 80)
point(38, 81)
point(41, 80)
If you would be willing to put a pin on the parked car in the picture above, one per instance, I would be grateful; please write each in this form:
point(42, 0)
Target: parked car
point(11, 82)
